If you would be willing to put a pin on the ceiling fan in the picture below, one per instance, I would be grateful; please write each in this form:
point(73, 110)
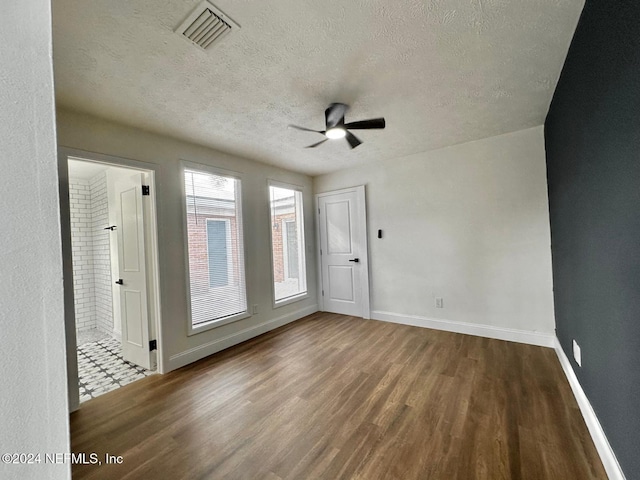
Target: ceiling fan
point(336, 128)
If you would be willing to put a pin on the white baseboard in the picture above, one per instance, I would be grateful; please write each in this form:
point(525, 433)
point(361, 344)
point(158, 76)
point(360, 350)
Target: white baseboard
point(201, 351)
point(489, 331)
point(607, 456)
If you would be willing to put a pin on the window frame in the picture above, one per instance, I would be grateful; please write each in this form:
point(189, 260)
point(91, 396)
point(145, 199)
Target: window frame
point(304, 295)
point(208, 169)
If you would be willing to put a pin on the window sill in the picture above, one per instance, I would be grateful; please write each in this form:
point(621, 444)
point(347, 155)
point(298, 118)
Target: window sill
point(290, 300)
point(203, 327)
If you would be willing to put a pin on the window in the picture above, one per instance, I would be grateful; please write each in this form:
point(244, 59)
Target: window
point(287, 243)
point(215, 245)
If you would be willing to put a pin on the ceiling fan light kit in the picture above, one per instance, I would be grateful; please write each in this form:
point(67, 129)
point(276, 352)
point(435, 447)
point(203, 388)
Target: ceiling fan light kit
point(336, 132)
point(336, 128)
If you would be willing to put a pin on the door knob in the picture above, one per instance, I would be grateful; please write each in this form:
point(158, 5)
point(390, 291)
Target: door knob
point(355, 260)
point(119, 281)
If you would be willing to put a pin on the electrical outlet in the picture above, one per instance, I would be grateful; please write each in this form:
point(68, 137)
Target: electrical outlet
point(577, 353)
point(439, 302)
point(255, 309)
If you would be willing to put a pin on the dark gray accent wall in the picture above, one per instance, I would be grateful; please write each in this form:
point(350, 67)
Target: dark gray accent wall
point(592, 136)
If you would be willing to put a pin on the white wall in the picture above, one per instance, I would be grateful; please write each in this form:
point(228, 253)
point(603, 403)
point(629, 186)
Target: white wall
point(33, 398)
point(162, 154)
point(468, 223)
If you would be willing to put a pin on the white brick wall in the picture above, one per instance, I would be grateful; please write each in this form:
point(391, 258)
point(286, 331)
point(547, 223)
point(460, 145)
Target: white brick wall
point(90, 249)
point(82, 251)
point(101, 255)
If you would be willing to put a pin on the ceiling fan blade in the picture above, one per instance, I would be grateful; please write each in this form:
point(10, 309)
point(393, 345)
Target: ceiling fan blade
point(365, 124)
point(305, 129)
point(352, 139)
point(334, 115)
point(316, 144)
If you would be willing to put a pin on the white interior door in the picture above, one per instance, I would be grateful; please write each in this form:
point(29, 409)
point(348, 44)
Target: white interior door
point(132, 271)
point(343, 252)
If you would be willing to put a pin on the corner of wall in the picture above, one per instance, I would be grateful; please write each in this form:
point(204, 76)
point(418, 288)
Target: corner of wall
point(608, 457)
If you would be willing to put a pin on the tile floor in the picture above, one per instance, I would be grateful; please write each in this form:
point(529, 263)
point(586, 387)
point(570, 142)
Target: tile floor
point(101, 368)
point(90, 336)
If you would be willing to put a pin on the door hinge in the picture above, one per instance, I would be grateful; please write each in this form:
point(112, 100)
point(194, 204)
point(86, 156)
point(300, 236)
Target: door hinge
point(145, 189)
point(320, 251)
point(153, 345)
point(323, 293)
point(318, 210)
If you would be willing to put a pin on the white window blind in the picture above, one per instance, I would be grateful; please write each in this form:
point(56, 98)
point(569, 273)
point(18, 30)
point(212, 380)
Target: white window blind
point(287, 243)
point(215, 245)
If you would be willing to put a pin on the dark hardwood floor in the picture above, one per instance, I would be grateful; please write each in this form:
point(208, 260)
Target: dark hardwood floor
point(336, 397)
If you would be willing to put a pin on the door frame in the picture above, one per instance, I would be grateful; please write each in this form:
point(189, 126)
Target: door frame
point(151, 245)
point(364, 258)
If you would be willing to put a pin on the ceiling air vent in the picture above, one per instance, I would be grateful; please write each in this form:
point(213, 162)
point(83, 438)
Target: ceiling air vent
point(206, 26)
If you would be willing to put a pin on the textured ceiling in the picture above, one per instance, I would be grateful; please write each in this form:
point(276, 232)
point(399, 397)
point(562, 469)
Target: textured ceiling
point(442, 72)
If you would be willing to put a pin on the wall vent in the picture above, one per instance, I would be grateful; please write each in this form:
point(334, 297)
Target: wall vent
point(206, 26)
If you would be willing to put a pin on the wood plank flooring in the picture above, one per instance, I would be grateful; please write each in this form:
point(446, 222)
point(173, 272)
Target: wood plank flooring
point(337, 397)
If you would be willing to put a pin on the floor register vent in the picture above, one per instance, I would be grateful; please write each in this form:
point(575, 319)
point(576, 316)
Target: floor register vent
point(206, 26)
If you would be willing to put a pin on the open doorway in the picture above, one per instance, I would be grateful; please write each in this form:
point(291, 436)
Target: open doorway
point(113, 278)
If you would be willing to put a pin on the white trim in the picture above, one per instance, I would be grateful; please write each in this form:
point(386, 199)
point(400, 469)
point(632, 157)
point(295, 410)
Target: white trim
point(608, 457)
point(151, 244)
point(489, 331)
point(302, 250)
point(364, 270)
point(319, 286)
point(242, 251)
point(341, 191)
point(364, 275)
point(204, 167)
point(211, 324)
point(201, 351)
point(286, 185)
point(292, 299)
point(153, 271)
